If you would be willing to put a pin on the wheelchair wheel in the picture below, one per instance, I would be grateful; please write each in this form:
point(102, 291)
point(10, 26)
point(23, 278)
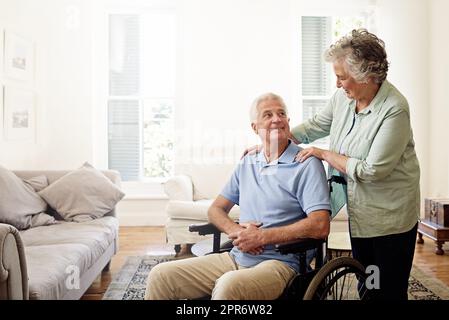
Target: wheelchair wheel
point(342, 278)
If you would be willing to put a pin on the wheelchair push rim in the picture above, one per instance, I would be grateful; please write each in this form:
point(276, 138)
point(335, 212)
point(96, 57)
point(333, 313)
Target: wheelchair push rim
point(342, 278)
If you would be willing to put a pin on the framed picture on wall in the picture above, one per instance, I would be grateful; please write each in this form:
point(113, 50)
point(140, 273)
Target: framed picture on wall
point(18, 57)
point(19, 114)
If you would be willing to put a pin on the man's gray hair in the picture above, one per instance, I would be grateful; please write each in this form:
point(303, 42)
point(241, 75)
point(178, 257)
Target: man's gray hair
point(364, 54)
point(253, 112)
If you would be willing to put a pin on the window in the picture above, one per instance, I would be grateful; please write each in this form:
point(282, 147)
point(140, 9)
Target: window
point(141, 94)
point(317, 76)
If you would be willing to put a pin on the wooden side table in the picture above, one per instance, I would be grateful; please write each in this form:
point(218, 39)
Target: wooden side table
point(435, 232)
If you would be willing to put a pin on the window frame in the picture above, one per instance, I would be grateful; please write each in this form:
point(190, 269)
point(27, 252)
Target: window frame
point(141, 96)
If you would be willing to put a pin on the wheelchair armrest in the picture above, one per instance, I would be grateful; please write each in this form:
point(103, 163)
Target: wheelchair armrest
point(204, 228)
point(300, 245)
point(209, 228)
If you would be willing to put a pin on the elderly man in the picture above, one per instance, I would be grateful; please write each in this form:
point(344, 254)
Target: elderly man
point(280, 200)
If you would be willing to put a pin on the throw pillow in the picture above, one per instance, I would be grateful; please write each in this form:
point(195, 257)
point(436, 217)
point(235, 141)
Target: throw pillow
point(18, 201)
point(42, 219)
point(82, 194)
point(37, 183)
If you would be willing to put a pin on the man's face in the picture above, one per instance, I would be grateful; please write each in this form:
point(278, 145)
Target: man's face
point(272, 121)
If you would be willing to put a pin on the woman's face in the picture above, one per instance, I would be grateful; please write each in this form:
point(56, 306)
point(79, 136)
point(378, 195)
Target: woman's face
point(352, 88)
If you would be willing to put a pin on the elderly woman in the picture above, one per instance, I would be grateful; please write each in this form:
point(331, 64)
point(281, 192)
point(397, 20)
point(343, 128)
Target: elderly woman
point(372, 149)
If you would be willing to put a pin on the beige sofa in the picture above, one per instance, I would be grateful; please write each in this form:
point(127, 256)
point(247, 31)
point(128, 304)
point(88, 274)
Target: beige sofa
point(190, 195)
point(58, 261)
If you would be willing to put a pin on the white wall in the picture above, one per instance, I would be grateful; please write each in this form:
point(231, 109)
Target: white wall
point(68, 124)
point(230, 52)
point(20, 17)
point(438, 107)
point(404, 26)
point(61, 31)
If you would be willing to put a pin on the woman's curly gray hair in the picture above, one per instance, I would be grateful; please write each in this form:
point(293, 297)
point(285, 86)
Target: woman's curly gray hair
point(364, 54)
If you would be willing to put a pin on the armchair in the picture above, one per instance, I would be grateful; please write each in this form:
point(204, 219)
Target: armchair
point(190, 196)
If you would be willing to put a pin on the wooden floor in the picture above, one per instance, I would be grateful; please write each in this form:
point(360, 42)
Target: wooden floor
point(134, 241)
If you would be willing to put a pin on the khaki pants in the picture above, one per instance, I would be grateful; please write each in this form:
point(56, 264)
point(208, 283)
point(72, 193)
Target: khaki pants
point(218, 276)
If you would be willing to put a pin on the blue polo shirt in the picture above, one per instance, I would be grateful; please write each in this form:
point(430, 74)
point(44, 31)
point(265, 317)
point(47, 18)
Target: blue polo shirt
point(277, 194)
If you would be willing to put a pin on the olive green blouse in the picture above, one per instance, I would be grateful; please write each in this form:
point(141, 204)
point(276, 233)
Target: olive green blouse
point(382, 171)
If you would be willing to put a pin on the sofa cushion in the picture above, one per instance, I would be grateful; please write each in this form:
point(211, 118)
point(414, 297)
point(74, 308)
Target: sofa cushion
point(194, 210)
point(82, 194)
point(18, 201)
point(50, 250)
point(49, 266)
point(96, 234)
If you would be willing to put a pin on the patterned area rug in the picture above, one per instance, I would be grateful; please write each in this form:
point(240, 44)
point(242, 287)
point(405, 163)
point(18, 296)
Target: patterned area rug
point(130, 282)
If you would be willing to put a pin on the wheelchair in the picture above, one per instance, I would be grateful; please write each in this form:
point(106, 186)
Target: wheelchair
point(341, 278)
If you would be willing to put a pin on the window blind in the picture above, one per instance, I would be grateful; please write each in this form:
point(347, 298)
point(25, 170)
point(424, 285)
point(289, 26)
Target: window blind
point(316, 37)
point(124, 57)
point(124, 146)
point(316, 34)
point(124, 129)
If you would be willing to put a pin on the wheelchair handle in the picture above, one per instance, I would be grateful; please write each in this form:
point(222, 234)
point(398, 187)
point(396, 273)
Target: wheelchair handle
point(336, 179)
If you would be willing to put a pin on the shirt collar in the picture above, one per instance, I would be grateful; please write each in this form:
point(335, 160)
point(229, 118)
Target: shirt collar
point(288, 156)
point(379, 98)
